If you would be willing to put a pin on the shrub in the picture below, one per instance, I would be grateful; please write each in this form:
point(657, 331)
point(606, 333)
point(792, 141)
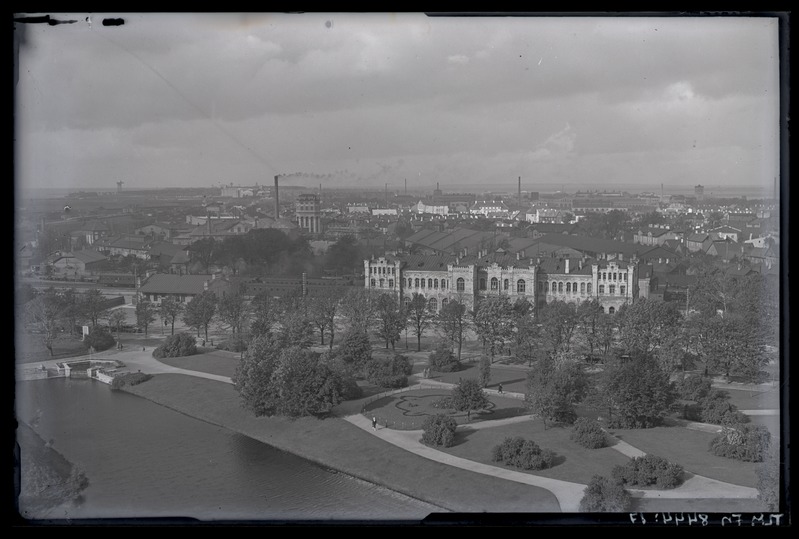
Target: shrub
point(389, 372)
point(444, 403)
point(716, 408)
point(521, 453)
point(131, 378)
point(233, 345)
point(647, 471)
point(603, 495)
point(588, 433)
point(179, 345)
point(443, 360)
point(748, 443)
point(350, 389)
point(693, 388)
point(99, 338)
point(439, 430)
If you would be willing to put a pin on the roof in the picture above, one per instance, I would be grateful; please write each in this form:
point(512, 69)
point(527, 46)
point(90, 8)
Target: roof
point(697, 237)
point(427, 263)
point(164, 248)
point(680, 280)
point(672, 244)
point(554, 228)
point(590, 245)
point(94, 226)
point(724, 229)
point(125, 242)
point(555, 266)
point(87, 257)
point(165, 283)
point(657, 251)
point(181, 257)
point(654, 231)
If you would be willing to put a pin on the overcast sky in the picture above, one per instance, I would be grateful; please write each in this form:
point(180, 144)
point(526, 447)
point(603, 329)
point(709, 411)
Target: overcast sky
point(364, 100)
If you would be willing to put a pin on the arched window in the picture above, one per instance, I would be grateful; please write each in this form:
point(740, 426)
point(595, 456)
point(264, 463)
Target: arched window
point(590, 287)
point(433, 304)
point(416, 283)
point(614, 276)
point(612, 289)
point(560, 287)
point(391, 283)
point(443, 283)
point(381, 282)
point(430, 283)
point(601, 289)
point(582, 288)
point(410, 282)
point(568, 288)
point(422, 282)
point(505, 284)
point(494, 283)
point(604, 276)
point(461, 284)
point(611, 310)
point(373, 282)
point(482, 284)
point(444, 302)
point(621, 290)
point(520, 286)
point(435, 283)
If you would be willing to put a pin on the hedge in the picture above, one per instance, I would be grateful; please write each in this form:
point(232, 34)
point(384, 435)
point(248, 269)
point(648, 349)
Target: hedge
point(521, 453)
point(439, 430)
point(605, 496)
point(649, 470)
point(748, 443)
point(588, 433)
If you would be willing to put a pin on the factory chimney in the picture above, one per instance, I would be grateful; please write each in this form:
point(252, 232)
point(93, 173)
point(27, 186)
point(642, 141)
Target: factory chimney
point(277, 201)
point(520, 190)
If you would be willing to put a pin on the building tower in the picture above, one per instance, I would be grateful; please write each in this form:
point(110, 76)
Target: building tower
point(699, 191)
point(309, 213)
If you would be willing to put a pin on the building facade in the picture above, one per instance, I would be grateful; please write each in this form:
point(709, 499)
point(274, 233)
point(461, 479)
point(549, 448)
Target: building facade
point(309, 213)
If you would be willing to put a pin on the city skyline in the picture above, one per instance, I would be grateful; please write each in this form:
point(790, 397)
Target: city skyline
point(189, 100)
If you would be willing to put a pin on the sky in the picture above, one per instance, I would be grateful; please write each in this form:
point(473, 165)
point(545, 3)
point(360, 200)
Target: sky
point(171, 100)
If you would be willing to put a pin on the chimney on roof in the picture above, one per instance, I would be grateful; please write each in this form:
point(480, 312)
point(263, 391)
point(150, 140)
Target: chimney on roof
point(580, 264)
point(518, 255)
point(277, 201)
point(567, 265)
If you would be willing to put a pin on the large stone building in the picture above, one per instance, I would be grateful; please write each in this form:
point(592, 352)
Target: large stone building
point(309, 213)
point(539, 280)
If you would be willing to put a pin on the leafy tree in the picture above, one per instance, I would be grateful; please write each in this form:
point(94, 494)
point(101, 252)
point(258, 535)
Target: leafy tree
point(170, 310)
point(420, 317)
point(453, 322)
point(391, 319)
point(554, 388)
point(439, 429)
point(589, 314)
point(730, 344)
point(116, 320)
point(324, 309)
point(389, 372)
point(254, 374)
point(747, 443)
point(233, 311)
point(179, 345)
point(647, 325)
point(200, 311)
point(358, 308)
point(99, 339)
point(768, 479)
point(469, 395)
point(558, 323)
point(302, 385)
point(521, 453)
point(94, 305)
point(72, 311)
point(442, 359)
point(204, 251)
point(484, 368)
point(344, 254)
point(355, 351)
point(588, 433)
point(528, 340)
point(493, 320)
point(639, 392)
point(294, 327)
point(265, 314)
point(603, 495)
point(44, 311)
point(145, 314)
point(648, 470)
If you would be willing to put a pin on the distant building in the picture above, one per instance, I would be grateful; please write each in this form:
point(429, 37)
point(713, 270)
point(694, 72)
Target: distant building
point(421, 207)
point(308, 213)
point(183, 288)
point(699, 192)
point(384, 211)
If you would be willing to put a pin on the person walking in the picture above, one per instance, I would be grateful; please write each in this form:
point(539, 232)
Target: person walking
point(374, 423)
point(500, 388)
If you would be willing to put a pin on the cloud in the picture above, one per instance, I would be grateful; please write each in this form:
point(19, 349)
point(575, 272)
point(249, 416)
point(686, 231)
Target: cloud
point(458, 59)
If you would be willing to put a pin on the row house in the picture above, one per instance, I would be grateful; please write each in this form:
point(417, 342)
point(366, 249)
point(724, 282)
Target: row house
point(655, 236)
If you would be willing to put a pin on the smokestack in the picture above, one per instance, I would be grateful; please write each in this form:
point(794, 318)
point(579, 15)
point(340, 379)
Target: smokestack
point(520, 190)
point(406, 186)
point(277, 201)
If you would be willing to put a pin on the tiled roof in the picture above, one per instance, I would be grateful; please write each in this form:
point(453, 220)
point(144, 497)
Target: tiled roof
point(697, 237)
point(427, 263)
point(87, 257)
point(555, 266)
point(164, 283)
point(164, 248)
point(591, 245)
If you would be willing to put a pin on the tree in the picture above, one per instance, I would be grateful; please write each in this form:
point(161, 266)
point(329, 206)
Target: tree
point(355, 351)
point(145, 314)
point(44, 311)
point(200, 311)
point(204, 251)
point(768, 479)
point(302, 385)
point(324, 308)
point(484, 367)
point(344, 254)
point(442, 359)
point(94, 305)
point(420, 317)
point(116, 319)
point(731, 345)
point(170, 310)
point(358, 308)
point(389, 372)
point(589, 314)
point(254, 373)
point(647, 325)
point(72, 311)
point(453, 322)
point(233, 311)
point(469, 395)
point(554, 387)
point(602, 495)
point(265, 314)
point(391, 319)
point(493, 320)
point(179, 345)
point(558, 321)
point(294, 327)
point(439, 430)
point(99, 339)
point(639, 392)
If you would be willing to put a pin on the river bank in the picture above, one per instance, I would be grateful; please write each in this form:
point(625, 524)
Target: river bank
point(336, 444)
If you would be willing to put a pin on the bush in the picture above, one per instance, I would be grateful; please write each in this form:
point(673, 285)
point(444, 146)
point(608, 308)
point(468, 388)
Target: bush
point(131, 378)
point(589, 434)
point(605, 496)
point(350, 389)
point(748, 443)
point(521, 453)
point(99, 338)
point(439, 430)
point(647, 471)
point(233, 345)
point(390, 372)
point(443, 360)
point(716, 408)
point(693, 388)
point(178, 345)
point(444, 403)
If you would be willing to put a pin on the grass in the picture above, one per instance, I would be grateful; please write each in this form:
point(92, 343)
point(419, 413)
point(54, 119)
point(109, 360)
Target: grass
point(213, 362)
point(338, 444)
point(512, 379)
point(689, 448)
point(572, 463)
point(30, 349)
point(757, 399)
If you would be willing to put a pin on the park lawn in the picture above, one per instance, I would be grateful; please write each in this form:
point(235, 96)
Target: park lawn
point(690, 449)
point(220, 363)
point(762, 398)
point(338, 444)
point(30, 349)
point(512, 379)
point(408, 410)
point(573, 462)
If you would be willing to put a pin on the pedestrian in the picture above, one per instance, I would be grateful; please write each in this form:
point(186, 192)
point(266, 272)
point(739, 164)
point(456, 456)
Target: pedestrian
point(374, 423)
point(469, 415)
point(500, 388)
point(142, 349)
